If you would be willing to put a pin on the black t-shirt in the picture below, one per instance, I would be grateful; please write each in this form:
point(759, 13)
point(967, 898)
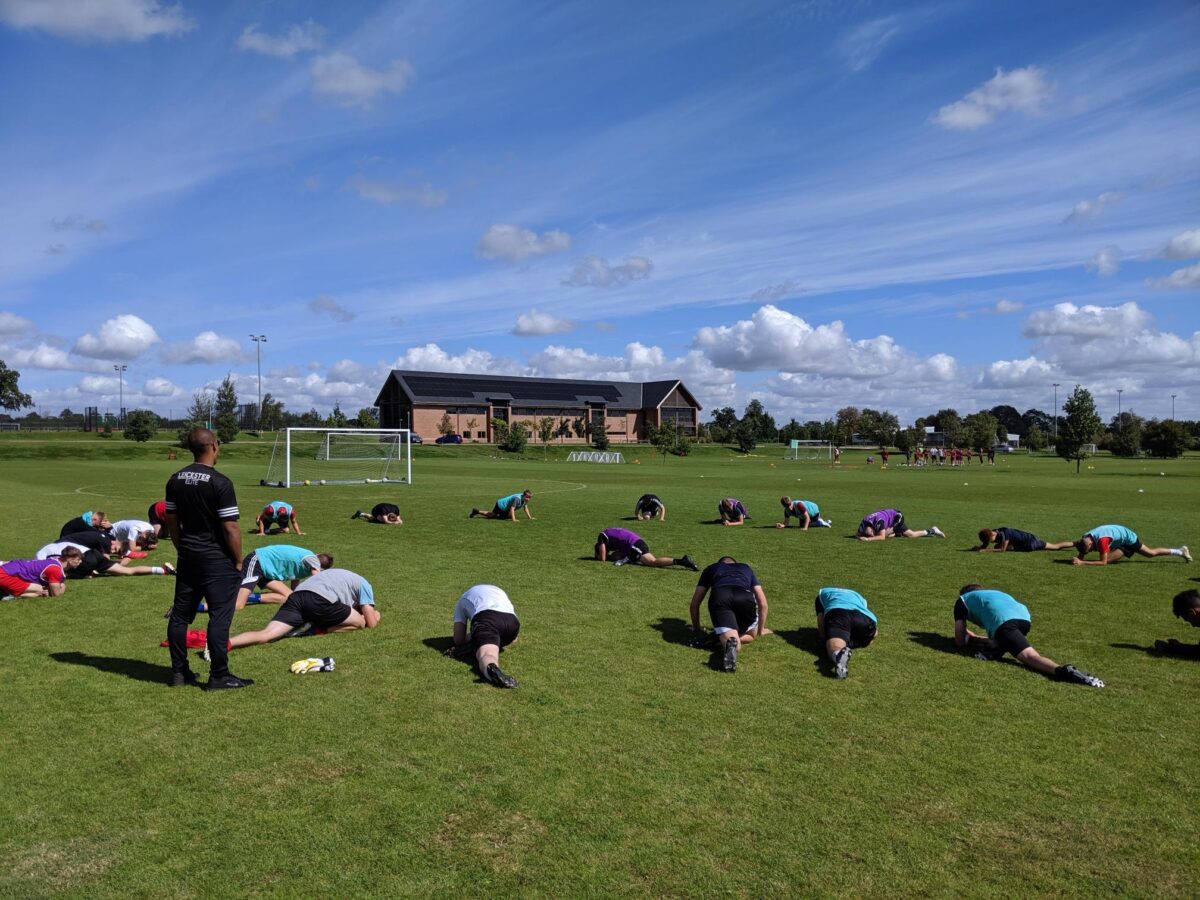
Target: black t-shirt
point(92, 539)
point(1017, 539)
point(649, 502)
point(202, 498)
point(93, 562)
point(75, 526)
point(736, 575)
point(385, 509)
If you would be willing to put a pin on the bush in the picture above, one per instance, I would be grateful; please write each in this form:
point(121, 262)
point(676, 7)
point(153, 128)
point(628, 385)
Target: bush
point(140, 425)
point(510, 438)
point(746, 438)
point(599, 436)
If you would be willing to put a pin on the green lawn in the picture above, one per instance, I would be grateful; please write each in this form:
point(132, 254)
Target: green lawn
point(625, 764)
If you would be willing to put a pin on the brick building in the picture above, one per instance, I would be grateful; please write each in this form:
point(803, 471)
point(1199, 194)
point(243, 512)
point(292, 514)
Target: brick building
point(420, 400)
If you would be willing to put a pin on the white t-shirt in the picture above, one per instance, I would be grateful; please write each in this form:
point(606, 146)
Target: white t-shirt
point(479, 598)
point(129, 529)
point(56, 549)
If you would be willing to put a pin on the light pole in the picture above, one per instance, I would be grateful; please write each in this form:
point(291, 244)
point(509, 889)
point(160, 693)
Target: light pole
point(1056, 413)
point(1172, 407)
point(120, 370)
point(259, 340)
point(1120, 424)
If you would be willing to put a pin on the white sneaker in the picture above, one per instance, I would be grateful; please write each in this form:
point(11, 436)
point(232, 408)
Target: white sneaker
point(1187, 554)
point(936, 532)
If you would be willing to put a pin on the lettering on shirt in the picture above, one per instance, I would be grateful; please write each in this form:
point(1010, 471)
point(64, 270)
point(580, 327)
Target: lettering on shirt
point(193, 477)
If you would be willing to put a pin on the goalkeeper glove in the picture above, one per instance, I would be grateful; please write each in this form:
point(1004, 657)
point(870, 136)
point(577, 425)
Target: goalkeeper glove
point(312, 664)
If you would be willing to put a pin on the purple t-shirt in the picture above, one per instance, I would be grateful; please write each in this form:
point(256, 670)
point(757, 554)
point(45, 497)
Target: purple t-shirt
point(35, 571)
point(732, 506)
point(882, 520)
point(620, 540)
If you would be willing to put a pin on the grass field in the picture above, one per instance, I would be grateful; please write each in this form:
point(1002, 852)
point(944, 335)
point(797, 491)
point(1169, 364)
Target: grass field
point(625, 764)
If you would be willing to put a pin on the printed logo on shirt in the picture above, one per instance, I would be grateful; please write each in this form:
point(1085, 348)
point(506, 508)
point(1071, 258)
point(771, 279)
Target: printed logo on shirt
point(193, 477)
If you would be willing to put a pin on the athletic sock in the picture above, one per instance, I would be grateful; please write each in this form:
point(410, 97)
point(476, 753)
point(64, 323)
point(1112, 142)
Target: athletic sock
point(1176, 551)
point(157, 570)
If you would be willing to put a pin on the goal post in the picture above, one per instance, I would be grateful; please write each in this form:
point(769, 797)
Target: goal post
point(808, 450)
point(340, 456)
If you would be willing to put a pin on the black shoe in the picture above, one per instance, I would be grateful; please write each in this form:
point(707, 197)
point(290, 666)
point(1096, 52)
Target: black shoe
point(731, 654)
point(357, 514)
point(1073, 675)
point(841, 663)
point(227, 682)
point(688, 563)
point(186, 678)
point(498, 678)
point(474, 512)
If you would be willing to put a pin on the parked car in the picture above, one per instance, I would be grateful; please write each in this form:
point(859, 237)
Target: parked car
point(449, 439)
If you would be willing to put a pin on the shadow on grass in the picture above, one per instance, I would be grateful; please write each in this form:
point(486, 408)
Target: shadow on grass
point(677, 631)
point(466, 654)
point(1169, 648)
point(137, 669)
point(809, 641)
point(935, 641)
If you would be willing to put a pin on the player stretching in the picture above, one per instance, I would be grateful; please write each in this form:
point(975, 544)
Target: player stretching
point(622, 545)
point(650, 507)
point(737, 607)
point(506, 507)
point(885, 523)
point(1116, 542)
point(732, 511)
point(1013, 539)
point(844, 623)
point(280, 514)
point(381, 514)
point(494, 625)
point(804, 511)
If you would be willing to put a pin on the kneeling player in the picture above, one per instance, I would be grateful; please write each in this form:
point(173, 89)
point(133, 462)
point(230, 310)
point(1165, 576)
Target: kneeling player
point(649, 506)
point(334, 600)
point(271, 569)
point(845, 623)
point(624, 546)
point(732, 511)
point(737, 607)
point(1006, 539)
point(805, 512)
point(506, 507)
point(1007, 622)
point(1186, 606)
point(279, 514)
point(156, 515)
point(91, 520)
point(38, 577)
point(1116, 542)
point(381, 514)
point(493, 623)
point(885, 523)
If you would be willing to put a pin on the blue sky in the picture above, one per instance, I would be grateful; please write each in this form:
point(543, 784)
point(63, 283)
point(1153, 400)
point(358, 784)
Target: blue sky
point(899, 205)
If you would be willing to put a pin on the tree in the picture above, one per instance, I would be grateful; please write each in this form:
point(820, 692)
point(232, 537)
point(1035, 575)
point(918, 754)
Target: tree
point(979, 430)
point(1035, 438)
point(472, 423)
point(337, 418)
point(271, 416)
point(10, 394)
point(445, 426)
point(1079, 427)
point(848, 418)
point(545, 430)
point(907, 439)
point(581, 427)
point(1035, 418)
point(793, 431)
point(759, 421)
point(721, 426)
point(745, 435)
point(198, 415)
point(366, 418)
point(310, 419)
point(879, 426)
point(950, 425)
point(140, 425)
point(1009, 418)
point(1167, 439)
point(226, 412)
point(663, 438)
point(599, 436)
point(1125, 434)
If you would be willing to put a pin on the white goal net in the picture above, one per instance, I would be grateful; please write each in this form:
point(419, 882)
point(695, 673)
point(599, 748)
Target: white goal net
point(595, 456)
point(809, 450)
point(340, 456)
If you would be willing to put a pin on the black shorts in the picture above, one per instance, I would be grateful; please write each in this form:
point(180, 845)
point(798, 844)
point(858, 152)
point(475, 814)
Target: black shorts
point(851, 626)
point(379, 510)
point(732, 609)
point(494, 627)
point(93, 540)
point(901, 526)
point(498, 513)
point(310, 608)
point(649, 508)
point(1010, 637)
point(252, 574)
point(94, 563)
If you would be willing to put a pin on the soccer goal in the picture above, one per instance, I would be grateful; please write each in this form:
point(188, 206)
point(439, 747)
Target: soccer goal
point(340, 456)
point(809, 450)
point(595, 456)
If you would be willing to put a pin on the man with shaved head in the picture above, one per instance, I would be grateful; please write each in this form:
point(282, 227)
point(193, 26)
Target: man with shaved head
point(202, 520)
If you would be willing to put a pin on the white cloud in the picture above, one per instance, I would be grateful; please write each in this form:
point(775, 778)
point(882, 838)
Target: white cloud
point(534, 323)
point(1109, 339)
point(1185, 245)
point(326, 304)
point(390, 193)
point(1007, 307)
point(773, 292)
point(1017, 373)
point(121, 337)
point(43, 356)
point(206, 347)
point(1106, 261)
point(514, 243)
point(99, 384)
point(1023, 90)
point(160, 387)
point(1085, 322)
point(343, 79)
point(1086, 210)
point(596, 272)
point(862, 45)
point(432, 358)
point(97, 20)
point(285, 45)
point(11, 323)
point(1185, 279)
point(347, 370)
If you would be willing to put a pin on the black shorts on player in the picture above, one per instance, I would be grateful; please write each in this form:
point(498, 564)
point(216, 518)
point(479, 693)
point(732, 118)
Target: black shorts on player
point(849, 625)
point(635, 551)
point(494, 627)
point(310, 608)
point(733, 609)
point(1010, 637)
point(380, 510)
point(252, 573)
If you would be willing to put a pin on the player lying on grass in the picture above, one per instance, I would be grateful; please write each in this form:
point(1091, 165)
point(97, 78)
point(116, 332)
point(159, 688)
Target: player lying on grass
point(332, 600)
point(885, 523)
point(381, 514)
point(100, 541)
point(134, 536)
point(493, 625)
point(96, 563)
point(38, 577)
point(92, 520)
point(506, 507)
point(1185, 606)
point(844, 623)
point(649, 506)
point(156, 515)
point(276, 570)
point(1006, 539)
point(281, 516)
point(624, 546)
point(1116, 542)
point(737, 607)
point(805, 512)
point(1007, 622)
point(732, 511)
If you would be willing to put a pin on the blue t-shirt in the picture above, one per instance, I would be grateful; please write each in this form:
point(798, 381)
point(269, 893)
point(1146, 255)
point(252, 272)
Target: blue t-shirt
point(277, 509)
point(990, 609)
point(799, 507)
point(1119, 536)
point(511, 502)
point(283, 562)
point(736, 575)
point(843, 598)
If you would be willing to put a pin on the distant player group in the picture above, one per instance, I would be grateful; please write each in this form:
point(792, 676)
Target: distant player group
point(200, 516)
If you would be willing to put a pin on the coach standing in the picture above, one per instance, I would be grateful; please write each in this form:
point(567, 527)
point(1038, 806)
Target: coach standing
point(202, 520)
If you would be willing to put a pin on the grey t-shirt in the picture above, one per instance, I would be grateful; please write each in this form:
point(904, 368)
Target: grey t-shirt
point(341, 586)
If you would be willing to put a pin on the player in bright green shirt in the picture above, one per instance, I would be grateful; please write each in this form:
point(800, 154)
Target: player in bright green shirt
point(1007, 622)
point(1118, 542)
point(506, 507)
point(845, 623)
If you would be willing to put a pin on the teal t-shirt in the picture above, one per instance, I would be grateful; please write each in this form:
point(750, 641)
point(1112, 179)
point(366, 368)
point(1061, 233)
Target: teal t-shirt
point(279, 507)
point(1120, 536)
point(843, 598)
point(283, 562)
point(991, 609)
point(512, 501)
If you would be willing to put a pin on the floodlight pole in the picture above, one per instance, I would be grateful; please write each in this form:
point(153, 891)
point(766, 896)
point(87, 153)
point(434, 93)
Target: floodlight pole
point(259, 340)
point(1172, 407)
point(1056, 413)
point(1120, 424)
point(120, 370)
